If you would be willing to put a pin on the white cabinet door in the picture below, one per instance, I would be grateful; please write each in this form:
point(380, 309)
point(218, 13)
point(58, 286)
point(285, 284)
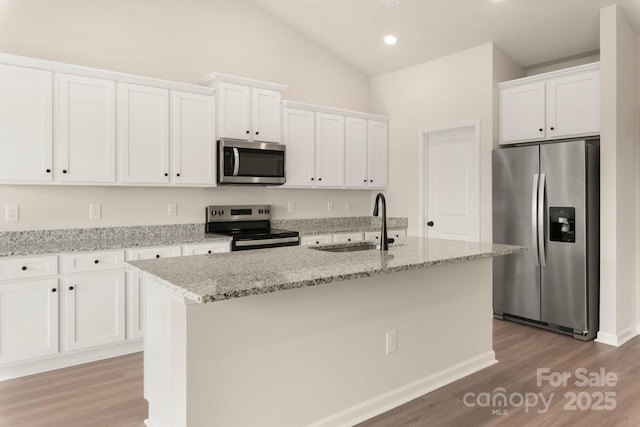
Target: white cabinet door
point(299, 137)
point(28, 320)
point(522, 113)
point(194, 138)
point(143, 132)
point(378, 158)
point(573, 105)
point(94, 309)
point(26, 124)
point(356, 152)
point(85, 132)
point(234, 111)
point(266, 121)
point(329, 150)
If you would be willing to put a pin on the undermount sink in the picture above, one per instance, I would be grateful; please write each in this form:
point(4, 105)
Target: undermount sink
point(349, 248)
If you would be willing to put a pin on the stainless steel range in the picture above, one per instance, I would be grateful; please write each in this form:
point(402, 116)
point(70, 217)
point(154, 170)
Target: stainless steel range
point(249, 226)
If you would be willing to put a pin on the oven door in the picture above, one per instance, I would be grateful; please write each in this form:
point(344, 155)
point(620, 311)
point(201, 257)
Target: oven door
point(242, 162)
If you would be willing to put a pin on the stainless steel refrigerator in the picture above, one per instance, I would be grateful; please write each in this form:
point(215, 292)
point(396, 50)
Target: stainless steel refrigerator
point(546, 197)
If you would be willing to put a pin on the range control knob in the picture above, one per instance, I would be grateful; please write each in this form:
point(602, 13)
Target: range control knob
point(214, 213)
point(220, 212)
point(268, 210)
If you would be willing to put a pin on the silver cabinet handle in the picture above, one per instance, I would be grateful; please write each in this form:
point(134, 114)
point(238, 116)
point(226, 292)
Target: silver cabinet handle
point(236, 161)
point(534, 219)
point(541, 242)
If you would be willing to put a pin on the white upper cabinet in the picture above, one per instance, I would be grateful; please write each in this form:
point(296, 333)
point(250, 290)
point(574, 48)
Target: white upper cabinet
point(377, 154)
point(298, 135)
point(356, 152)
point(554, 105)
point(330, 138)
point(266, 121)
point(247, 109)
point(234, 117)
point(85, 131)
point(26, 125)
point(143, 133)
point(193, 139)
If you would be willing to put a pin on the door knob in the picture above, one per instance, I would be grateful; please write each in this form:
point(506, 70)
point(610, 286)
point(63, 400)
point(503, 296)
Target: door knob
point(430, 223)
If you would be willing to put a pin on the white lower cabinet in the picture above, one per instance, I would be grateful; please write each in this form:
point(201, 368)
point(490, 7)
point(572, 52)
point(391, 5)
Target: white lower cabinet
point(28, 320)
point(320, 239)
point(94, 309)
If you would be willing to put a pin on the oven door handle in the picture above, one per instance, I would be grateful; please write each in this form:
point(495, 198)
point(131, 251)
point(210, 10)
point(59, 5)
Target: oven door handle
point(236, 161)
point(260, 242)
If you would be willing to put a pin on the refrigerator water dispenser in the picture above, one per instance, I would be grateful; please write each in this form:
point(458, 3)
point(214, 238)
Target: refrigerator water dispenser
point(562, 224)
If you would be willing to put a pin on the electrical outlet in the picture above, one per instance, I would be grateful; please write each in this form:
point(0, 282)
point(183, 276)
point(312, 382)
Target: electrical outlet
point(95, 211)
point(392, 341)
point(347, 206)
point(173, 209)
point(330, 206)
point(291, 206)
point(12, 213)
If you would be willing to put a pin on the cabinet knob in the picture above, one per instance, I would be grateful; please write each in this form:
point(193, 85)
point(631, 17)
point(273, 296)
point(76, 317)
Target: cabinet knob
point(209, 251)
point(552, 128)
point(430, 223)
point(317, 242)
point(48, 170)
point(64, 171)
point(319, 179)
point(70, 288)
point(348, 240)
point(365, 180)
point(257, 133)
point(248, 132)
point(96, 261)
point(157, 256)
point(177, 174)
point(540, 130)
point(370, 180)
point(53, 290)
point(24, 268)
point(312, 179)
point(166, 174)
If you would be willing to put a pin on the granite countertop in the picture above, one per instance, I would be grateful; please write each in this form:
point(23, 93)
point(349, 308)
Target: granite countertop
point(217, 277)
point(315, 226)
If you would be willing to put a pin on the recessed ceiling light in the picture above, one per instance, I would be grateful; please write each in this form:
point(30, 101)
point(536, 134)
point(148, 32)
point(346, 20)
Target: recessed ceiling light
point(390, 39)
point(391, 3)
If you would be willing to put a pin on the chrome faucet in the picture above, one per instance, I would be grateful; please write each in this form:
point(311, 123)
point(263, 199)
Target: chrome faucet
point(384, 244)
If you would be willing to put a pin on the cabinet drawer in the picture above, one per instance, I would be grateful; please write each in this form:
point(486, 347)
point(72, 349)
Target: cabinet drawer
point(374, 235)
point(396, 233)
point(316, 240)
point(28, 267)
point(151, 253)
point(206, 248)
point(93, 261)
point(347, 237)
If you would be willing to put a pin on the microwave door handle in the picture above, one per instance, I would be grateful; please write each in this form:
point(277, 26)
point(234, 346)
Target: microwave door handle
point(236, 161)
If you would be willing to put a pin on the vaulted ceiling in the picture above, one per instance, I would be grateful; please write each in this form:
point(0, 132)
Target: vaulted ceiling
point(530, 31)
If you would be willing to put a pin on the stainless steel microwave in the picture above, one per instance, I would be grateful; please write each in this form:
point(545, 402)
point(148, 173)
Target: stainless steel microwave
point(243, 162)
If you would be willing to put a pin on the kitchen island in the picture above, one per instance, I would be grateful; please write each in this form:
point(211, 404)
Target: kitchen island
point(297, 336)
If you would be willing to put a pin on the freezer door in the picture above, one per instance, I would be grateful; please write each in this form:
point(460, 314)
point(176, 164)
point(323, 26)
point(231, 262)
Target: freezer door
point(564, 278)
point(516, 278)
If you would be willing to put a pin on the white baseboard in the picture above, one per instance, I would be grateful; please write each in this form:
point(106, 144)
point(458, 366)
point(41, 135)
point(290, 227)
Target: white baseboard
point(387, 401)
point(64, 360)
point(617, 340)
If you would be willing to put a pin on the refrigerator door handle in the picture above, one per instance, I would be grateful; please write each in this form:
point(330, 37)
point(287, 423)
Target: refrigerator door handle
point(534, 219)
point(541, 206)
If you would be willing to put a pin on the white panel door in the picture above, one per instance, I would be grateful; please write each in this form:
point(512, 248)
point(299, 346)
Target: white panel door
point(143, 132)
point(573, 105)
point(329, 150)
point(26, 124)
point(194, 138)
point(522, 113)
point(86, 129)
point(378, 154)
point(266, 121)
point(452, 187)
point(234, 115)
point(28, 320)
point(298, 134)
point(94, 309)
point(356, 153)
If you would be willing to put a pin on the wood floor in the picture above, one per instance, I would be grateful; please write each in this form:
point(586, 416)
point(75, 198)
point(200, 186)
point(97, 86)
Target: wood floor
point(109, 393)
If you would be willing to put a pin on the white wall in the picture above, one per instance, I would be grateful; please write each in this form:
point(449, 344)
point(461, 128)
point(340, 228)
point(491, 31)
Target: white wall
point(619, 140)
point(638, 184)
point(183, 41)
point(448, 90)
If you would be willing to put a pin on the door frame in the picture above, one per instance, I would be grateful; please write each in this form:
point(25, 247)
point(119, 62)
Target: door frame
point(423, 135)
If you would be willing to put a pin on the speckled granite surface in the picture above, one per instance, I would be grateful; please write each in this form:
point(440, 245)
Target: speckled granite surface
point(39, 242)
point(217, 277)
point(313, 226)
